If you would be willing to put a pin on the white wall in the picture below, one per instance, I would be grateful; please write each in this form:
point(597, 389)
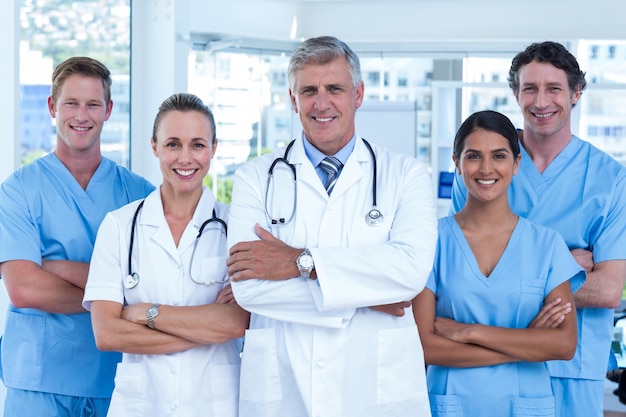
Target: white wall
point(403, 24)
point(4, 302)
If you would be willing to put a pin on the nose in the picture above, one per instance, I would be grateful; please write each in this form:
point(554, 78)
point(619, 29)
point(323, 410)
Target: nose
point(185, 154)
point(541, 99)
point(82, 114)
point(486, 164)
point(322, 100)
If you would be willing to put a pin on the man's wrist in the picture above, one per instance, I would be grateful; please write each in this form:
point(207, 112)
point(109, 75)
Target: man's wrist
point(305, 264)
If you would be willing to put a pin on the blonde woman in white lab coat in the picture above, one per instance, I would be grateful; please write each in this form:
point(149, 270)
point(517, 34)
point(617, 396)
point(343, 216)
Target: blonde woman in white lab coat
point(170, 310)
point(331, 332)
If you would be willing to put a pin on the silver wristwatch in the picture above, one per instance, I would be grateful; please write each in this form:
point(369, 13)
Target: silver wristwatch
point(305, 264)
point(151, 314)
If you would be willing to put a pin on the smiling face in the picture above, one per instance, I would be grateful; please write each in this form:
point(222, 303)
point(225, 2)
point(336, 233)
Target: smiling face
point(546, 100)
point(80, 111)
point(326, 100)
point(487, 165)
point(183, 146)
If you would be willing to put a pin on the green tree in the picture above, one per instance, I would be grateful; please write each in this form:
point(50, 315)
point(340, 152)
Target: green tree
point(224, 188)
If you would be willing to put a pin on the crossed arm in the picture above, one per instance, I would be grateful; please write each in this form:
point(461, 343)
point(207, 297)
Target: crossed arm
point(605, 281)
point(272, 259)
point(551, 335)
point(178, 328)
point(55, 287)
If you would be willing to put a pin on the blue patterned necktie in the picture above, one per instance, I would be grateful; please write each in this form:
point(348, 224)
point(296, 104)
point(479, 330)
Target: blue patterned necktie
point(331, 166)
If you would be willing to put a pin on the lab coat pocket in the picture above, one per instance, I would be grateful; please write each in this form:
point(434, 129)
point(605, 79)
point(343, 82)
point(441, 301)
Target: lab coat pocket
point(225, 383)
point(260, 378)
point(445, 406)
point(213, 271)
point(544, 406)
point(128, 396)
point(400, 373)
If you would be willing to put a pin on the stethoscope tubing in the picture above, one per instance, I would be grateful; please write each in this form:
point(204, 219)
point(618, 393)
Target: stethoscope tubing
point(132, 279)
point(373, 218)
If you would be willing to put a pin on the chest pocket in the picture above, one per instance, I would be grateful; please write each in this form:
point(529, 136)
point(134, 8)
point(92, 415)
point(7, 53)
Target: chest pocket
point(533, 292)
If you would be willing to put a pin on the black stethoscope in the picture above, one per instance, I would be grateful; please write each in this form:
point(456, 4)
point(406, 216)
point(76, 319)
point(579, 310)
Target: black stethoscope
point(373, 217)
point(132, 279)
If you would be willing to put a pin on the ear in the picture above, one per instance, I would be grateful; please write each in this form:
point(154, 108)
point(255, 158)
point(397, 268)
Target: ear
point(294, 105)
point(52, 107)
point(360, 92)
point(108, 110)
point(456, 164)
point(576, 95)
point(154, 147)
point(516, 164)
point(214, 148)
point(516, 94)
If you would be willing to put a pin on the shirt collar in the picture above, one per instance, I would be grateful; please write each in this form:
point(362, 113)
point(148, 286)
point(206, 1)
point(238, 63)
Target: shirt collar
point(316, 156)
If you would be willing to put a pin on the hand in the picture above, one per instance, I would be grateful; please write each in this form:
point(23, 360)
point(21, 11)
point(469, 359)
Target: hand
point(395, 309)
point(268, 258)
point(451, 329)
point(226, 296)
point(551, 315)
point(136, 313)
point(584, 258)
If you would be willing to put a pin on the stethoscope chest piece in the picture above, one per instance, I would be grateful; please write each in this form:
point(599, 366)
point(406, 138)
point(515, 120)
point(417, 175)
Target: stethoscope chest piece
point(131, 280)
point(374, 217)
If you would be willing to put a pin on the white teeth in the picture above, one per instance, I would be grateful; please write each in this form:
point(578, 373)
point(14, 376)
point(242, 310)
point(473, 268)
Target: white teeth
point(325, 119)
point(185, 173)
point(81, 129)
point(486, 182)
point(543, 115)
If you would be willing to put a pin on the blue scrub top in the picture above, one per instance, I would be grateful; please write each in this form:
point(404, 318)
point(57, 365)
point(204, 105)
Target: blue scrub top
point(510, 297)
point(45, 214)
point(582, 195)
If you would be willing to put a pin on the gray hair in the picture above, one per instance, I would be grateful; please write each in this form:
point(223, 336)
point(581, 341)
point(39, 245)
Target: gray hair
point(320, 51)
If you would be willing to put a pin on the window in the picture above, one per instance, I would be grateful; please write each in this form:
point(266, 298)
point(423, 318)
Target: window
point(373, 78)
point(603, 103)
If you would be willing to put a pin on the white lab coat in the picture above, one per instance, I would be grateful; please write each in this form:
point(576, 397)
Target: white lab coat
point(314, 348)
point(198, 382)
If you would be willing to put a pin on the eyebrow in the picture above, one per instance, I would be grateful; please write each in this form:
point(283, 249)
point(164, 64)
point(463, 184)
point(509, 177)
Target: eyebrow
point(493, 151)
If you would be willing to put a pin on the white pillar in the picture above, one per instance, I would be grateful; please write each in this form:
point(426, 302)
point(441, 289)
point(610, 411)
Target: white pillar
point(10, 87)
point(160, 48)
point(9, 115)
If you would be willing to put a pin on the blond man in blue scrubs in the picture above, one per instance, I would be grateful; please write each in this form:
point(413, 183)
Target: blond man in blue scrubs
point(49, 215)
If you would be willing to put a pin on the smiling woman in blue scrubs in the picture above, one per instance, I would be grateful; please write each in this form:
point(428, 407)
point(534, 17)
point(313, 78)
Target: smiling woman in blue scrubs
point(497, 303)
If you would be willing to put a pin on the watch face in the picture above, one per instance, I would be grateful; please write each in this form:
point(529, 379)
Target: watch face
point(152, 311)
point(306, 261)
